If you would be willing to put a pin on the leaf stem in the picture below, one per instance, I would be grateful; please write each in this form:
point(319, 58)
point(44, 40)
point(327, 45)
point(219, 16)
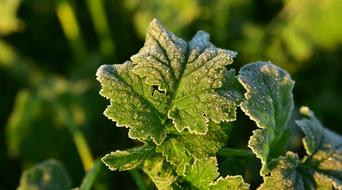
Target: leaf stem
point(234, 152)
point(138, 178)
point(90, 177)
point(79, 140)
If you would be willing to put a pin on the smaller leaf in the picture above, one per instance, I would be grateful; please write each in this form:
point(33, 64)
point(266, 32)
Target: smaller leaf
point(203, 175)
point(324, 149)
point(127, 159)
point(320, 169)
point(179, 149)
point(284, 174)
point(202, 172)
point(48, 175)
point(316, 136)
point(269, 102)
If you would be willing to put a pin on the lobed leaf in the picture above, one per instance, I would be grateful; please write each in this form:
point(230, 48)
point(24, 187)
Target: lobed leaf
point(177, 94)
point(128, 159)
point(48, 175)
point(269, 102)
point(169, 81)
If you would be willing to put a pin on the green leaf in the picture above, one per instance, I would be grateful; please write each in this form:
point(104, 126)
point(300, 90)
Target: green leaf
point(324, 149)
point(269, 102)
point(200, 74)
point(128, 159)
point(160, 172)
point(320, 169)
point(168, 82)
point(202, 172)
point(179, 149)
point(203, 175)
point(48, 175)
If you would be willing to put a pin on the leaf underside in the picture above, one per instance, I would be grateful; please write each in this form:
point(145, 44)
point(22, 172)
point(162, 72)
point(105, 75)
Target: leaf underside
point(269, 102)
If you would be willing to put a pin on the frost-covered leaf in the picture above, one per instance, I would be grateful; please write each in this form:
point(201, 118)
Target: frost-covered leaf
point(177, 94)
point(49, 175)
point(269, 102)
point(284, 174)
point(188, 73)
point(169, 81)
point(203, 174)
point(127, 159)
point(179, 149)
point(160, 172)
point(324, 149)
point(320, 169)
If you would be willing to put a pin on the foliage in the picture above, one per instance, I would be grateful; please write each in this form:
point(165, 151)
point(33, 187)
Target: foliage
point(175, 96)
point(50, 107)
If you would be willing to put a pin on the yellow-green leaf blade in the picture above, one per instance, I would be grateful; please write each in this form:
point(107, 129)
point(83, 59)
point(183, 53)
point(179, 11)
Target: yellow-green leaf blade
point(127, 159)
point(160, 172)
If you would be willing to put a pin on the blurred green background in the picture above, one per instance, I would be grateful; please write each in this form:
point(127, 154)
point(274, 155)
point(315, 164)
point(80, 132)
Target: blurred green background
point(50, 50)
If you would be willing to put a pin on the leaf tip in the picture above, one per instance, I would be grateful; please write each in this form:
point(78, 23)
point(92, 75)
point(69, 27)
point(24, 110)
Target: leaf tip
point(106, 159)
